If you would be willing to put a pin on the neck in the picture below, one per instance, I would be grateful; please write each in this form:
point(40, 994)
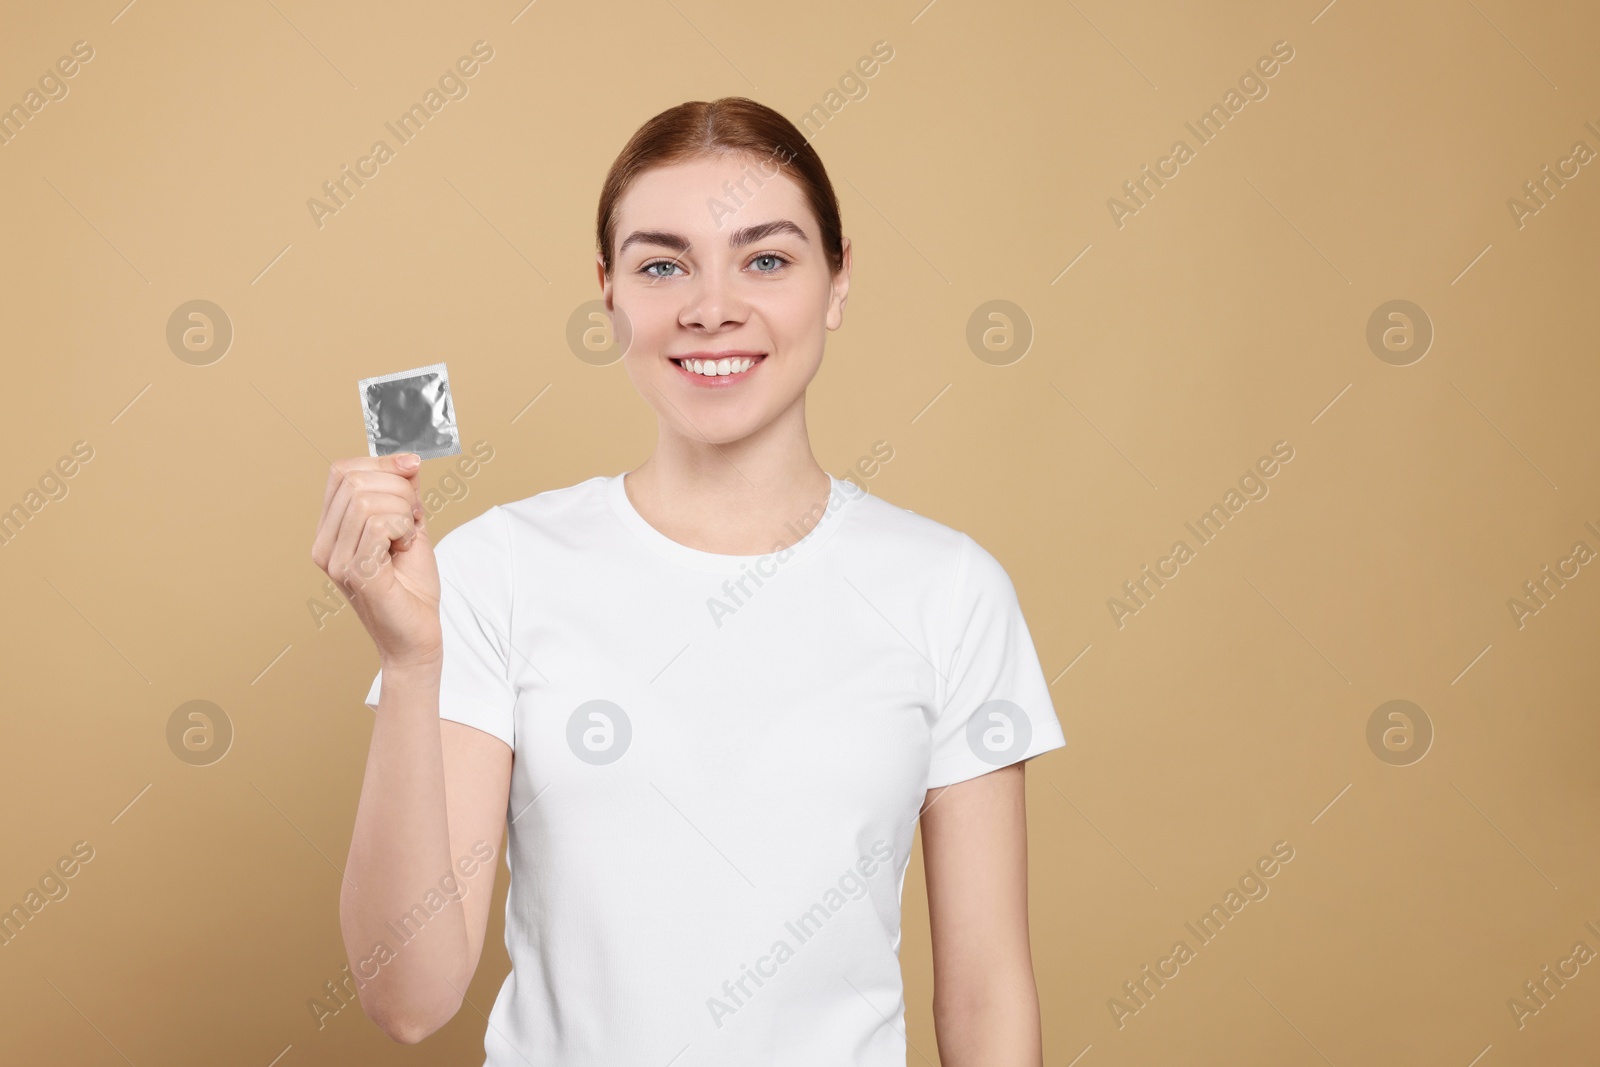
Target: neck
point(746, 497)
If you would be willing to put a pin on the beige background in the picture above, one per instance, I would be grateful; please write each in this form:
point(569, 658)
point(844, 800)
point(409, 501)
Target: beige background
point(1228, 314)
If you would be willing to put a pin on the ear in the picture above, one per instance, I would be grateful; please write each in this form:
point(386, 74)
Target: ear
point(840, 289)
point(605, 283)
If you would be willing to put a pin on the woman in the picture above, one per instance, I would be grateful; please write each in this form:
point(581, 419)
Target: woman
point(711, 696)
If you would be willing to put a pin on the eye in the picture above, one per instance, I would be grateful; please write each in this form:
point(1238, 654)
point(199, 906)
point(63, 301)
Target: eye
point(647, 272)
point(781, 262)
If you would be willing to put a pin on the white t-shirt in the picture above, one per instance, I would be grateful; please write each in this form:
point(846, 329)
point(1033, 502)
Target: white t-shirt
point(719, 762)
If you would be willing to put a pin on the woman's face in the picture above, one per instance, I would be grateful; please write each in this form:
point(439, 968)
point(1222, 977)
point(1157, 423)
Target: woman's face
point(720, 257)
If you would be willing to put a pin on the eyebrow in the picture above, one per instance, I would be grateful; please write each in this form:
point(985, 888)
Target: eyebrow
point(736, 239)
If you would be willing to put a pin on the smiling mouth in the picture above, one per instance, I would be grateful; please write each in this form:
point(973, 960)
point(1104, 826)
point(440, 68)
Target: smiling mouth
point(732, 367)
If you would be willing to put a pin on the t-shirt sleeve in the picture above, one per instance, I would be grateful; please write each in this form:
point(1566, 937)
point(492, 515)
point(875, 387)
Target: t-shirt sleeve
point(475, 602)
point(994, 703)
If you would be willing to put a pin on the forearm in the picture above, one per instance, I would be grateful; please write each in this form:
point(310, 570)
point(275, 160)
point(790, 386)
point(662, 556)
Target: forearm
point(399, 850)
point(993, 1023)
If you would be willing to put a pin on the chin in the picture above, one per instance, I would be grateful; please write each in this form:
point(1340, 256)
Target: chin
point(725, 429)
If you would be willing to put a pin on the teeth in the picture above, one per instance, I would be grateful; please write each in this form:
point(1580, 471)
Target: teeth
point(712, 368)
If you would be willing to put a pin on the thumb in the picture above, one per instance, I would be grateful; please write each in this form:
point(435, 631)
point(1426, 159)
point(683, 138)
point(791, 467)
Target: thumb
point(406, 464)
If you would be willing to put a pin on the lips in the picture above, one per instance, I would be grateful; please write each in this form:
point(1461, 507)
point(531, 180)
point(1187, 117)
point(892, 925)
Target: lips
point(717, 380)
point(732, 353)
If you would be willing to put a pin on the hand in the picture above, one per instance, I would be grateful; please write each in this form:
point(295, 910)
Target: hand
point(372, 540)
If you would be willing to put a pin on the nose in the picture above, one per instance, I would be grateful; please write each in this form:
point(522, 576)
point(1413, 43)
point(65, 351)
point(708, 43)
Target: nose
point(712, 301)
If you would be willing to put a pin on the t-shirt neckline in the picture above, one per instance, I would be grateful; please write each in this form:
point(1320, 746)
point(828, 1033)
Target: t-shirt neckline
point(839, 495)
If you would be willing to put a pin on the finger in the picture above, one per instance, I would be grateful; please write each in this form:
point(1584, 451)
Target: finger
point(391, 463)
point(369, 481)
point(328, 527)
point(337, 471)
point(363, 508)
point(355, 483)
point(372, 555)
point(380, 538)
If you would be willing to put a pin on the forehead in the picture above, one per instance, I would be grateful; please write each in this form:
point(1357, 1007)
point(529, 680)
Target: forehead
point(709, 195)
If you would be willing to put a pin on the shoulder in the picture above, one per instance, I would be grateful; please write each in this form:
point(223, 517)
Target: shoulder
point(936, 550)
point(499, 531)
point(560, 504)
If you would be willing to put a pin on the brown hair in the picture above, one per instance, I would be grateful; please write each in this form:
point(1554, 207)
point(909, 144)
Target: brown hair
point(727, 125)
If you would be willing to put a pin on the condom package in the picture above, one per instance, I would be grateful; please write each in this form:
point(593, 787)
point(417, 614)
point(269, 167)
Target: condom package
point(410, 411)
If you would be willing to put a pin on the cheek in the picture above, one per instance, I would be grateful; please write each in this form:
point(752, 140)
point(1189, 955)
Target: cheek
point(646, 323)
point(799, 331)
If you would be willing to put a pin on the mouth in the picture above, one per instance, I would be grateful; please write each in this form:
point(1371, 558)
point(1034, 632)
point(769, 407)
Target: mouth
point(716, 369)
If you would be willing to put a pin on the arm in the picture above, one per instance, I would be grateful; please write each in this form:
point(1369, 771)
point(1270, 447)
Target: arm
point(434, 795)
point(975, 856)
point(433, 802)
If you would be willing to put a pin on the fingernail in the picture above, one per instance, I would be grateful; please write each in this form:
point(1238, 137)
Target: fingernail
point(410, 461)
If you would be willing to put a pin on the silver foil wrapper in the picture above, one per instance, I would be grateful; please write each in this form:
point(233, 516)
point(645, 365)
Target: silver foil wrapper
point(410, 411)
